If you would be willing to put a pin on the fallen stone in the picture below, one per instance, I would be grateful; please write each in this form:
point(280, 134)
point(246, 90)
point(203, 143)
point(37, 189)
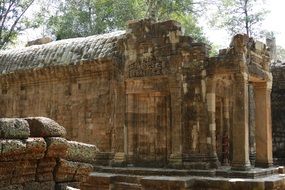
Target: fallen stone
point(12, 149)
point(83, 171)
point(56, 147)
point(72, 171)
point(45, 127)
point(35, 148)
point(81, 152)
point(65, 171)
point(13, 128)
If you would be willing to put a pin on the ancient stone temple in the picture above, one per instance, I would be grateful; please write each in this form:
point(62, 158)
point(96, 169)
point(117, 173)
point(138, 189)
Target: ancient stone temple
point(149, 94)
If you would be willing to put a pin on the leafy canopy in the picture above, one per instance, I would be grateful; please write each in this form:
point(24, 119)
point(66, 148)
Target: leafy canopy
point(76, 18)
point(240, 16)
point(11, 13)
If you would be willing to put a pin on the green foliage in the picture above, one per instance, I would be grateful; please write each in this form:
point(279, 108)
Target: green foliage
point(239, 16)
point(11, 12)
point(76, 18)
point(88, 17)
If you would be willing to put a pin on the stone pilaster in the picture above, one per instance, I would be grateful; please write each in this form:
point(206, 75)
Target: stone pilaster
point(226, 132)
point(211, 108)
point(263, 135)
point(240, 125)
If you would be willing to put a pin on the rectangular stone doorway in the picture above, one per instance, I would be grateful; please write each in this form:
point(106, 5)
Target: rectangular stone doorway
point(149, 122)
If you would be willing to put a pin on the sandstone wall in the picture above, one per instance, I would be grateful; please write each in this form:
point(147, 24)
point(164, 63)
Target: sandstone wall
point(76, 82)
point(278, 114)
point(35, 155)
point(85, 99)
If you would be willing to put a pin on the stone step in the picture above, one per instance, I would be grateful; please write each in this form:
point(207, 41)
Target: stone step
point(153, 171)
point(128, 179)
point(107, 181)
point(127, 186)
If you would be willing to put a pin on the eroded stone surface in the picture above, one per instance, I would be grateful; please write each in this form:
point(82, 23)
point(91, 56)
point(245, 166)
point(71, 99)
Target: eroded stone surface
point(45, 127)
point(13, 128)
point(57, 147)
point(35, 163)
point(81, 152)
point(71, 171)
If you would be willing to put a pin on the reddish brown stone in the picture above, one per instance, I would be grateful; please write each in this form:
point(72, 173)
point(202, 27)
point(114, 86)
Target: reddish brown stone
point(71, 171)
point(56, 147)
point(45, 169)
point(24, 171)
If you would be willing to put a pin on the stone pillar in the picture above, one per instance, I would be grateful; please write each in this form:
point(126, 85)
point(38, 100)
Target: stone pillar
point(175, 159)
point(240, 124)
point(211, 108)
point(226, 132)
point(263, 132)
point(251, 108)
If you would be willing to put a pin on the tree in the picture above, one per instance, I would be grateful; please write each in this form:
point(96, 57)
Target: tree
point(89, 17)
point(239, 16)
point(11, 13)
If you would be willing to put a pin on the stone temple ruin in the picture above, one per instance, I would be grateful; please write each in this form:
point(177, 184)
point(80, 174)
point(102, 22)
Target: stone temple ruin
point(149, 97)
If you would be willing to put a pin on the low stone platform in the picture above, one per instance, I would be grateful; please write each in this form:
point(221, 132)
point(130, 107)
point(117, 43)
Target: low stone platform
point(131, 178)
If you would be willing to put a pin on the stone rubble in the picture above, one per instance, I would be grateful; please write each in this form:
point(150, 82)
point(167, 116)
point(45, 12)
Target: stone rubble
point(35, 155)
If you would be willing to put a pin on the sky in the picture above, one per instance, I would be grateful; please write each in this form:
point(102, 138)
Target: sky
point(273, 22)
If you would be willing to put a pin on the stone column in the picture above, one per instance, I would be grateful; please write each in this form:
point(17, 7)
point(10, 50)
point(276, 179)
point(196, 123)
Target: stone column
point(240, 124)
point(226, 132)
point(211, 108)
point(263, 132)
point(251, 107)
point(175, 159)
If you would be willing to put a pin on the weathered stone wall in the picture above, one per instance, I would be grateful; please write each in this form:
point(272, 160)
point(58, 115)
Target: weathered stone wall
point(278, 114)
point(76, 82)
point(86, 99)
point(150, 95)
point(35, 155)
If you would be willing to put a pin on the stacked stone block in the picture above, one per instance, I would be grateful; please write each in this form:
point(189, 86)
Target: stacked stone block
point(35, 155)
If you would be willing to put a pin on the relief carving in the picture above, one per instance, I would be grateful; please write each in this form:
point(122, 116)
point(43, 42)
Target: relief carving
point(144, 68)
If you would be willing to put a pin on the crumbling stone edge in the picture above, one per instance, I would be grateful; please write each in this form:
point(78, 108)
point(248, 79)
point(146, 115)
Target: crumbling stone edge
point(35, 155)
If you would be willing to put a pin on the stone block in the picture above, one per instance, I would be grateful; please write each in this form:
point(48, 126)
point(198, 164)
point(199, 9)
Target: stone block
point(83, 171)
point(45, 127)
point(56, 147)
point(45, 169)
point(71, 171)
point(35, 148)
point(49, 185)
point(65, 171)
point(13, 187)
point(6, 173)
point(12, 149)
point(68, 186)
point(98, 181)
point(24, 171)
point(81, 152)
point(13, 128)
